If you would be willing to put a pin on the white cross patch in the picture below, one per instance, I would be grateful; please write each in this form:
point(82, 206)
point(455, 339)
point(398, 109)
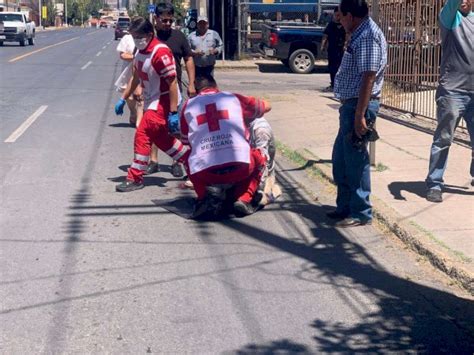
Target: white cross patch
point(166, 60)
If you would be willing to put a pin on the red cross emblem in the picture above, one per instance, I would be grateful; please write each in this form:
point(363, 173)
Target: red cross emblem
point(212, 117)
point(141, 74)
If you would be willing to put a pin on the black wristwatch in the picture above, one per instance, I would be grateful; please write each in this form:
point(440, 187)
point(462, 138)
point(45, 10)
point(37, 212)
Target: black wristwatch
point(173, 112)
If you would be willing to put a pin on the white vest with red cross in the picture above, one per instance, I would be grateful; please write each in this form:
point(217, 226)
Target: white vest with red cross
point(149, 78)
point(217, 132)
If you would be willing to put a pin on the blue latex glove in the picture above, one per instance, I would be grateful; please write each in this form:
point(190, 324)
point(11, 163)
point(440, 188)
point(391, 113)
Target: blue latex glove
point(119, 107)
point(173, 123)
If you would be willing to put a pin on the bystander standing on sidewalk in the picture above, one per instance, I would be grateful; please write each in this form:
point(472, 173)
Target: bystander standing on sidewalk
point(333, 41)
point(455, 93)
point(206, 45)
point(358, 84)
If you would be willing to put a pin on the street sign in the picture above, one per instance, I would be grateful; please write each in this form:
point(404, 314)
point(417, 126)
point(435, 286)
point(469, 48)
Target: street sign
point(151, 9)
point(44, 12)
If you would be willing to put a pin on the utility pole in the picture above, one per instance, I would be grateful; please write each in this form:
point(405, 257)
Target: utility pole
point(65, 12)
point(40, 12)
point(376, 17)
point(151, 15)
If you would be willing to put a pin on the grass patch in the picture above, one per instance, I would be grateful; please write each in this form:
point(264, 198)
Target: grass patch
point(298, 158)
point(430, 235)
point(380, 167)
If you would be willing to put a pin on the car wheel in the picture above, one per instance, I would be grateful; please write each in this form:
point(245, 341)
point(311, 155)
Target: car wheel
point(1, 43)
point(302, 61)
point(285, 62)
point(31, 41)
point(23, 42)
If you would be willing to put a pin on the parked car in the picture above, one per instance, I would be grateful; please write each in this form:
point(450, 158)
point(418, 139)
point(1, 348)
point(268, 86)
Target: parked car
point(16, 27)
point(296, 45)
point(121, 29)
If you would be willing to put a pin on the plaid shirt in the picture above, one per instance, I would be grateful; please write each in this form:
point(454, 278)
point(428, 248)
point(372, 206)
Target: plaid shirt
point(367, 51)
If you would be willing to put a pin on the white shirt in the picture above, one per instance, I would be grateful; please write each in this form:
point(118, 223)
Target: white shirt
point(126, 45)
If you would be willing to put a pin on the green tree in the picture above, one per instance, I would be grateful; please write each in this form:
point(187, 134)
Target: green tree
point(51, 15)
point(93, 7)
point(141, 8)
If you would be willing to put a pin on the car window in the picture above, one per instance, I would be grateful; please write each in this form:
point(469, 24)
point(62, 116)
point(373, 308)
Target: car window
point(11, 17)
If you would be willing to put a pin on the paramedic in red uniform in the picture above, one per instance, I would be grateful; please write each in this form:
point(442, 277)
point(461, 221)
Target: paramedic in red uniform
point(214, 124)
point(154, 68)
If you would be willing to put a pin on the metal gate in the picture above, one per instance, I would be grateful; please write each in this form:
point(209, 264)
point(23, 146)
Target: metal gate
point(414, 53)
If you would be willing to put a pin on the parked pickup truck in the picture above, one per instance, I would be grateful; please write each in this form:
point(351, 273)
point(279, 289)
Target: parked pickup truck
point(16, 27)
point(296, 45)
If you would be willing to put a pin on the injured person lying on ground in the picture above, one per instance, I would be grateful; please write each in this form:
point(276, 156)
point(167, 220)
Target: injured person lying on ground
point(223, 165)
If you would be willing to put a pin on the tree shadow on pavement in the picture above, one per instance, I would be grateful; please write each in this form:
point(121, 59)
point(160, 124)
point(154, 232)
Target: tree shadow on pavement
point(283, 346)
point(121, 125)
point(419, 188)
point(399, 315)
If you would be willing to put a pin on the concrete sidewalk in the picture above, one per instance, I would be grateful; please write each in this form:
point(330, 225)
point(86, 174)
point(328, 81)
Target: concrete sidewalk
point(247, 64)
point(254, 64)
point(307, 124)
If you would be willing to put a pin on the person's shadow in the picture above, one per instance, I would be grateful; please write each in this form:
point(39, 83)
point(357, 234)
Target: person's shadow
point(419, 188)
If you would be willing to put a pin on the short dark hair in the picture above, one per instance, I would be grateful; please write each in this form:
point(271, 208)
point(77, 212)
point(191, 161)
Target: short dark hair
point(141, 26)
point(204, 81)
point(336, 8)
point(164, 8)
point(357, 8)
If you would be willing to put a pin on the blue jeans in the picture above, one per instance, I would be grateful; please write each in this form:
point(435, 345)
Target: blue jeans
point(451, 106)
point(351, 166)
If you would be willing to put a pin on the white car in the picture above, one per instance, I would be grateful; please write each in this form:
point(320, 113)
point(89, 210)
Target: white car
point(16, 27)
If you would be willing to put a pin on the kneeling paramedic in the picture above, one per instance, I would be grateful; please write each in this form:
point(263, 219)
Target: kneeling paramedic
point(154, 68)
point(214, 124)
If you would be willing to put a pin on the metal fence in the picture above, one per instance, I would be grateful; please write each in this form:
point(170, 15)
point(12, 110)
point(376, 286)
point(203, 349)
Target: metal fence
point(414, 52)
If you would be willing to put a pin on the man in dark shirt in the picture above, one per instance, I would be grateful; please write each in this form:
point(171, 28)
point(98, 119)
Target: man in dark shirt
point(177, 42)
point(333, 40)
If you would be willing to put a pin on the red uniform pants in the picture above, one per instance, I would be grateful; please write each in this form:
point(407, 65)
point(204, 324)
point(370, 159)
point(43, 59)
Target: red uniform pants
point(244, 177)
point(153, 129)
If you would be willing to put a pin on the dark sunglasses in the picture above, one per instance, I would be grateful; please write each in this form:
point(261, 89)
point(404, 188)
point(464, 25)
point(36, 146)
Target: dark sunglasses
point(167, 20)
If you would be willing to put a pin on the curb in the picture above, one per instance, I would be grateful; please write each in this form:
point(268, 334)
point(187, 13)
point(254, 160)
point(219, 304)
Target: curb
point(414, 236)
point(234, 67)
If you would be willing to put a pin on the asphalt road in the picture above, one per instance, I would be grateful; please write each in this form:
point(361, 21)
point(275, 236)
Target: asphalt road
point(87, 270)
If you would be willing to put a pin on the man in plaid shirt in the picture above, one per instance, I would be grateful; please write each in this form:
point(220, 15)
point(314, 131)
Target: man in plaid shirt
point(358, 86)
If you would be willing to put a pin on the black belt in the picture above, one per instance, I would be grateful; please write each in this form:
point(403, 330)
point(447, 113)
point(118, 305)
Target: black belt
point(223, 171)
point(373, 98)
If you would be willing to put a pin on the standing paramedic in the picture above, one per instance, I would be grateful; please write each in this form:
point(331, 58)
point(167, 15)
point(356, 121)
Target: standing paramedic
point(155, 70)
point(455, 93)
point(358, 85)
point(214, 124)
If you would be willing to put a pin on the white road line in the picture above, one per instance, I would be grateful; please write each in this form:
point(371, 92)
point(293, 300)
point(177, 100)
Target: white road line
point(24, 126)
point(85, 66)
point(98, 54)
point(104, 47)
